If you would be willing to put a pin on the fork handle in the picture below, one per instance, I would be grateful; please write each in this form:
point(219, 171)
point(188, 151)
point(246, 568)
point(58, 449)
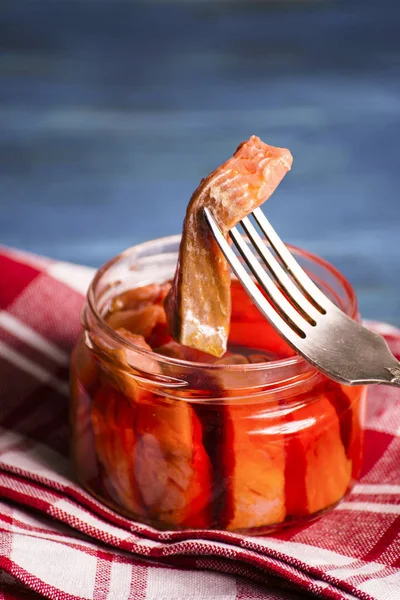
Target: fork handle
point(367, 359)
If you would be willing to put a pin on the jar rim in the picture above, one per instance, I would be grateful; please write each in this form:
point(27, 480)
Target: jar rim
point(296, 360)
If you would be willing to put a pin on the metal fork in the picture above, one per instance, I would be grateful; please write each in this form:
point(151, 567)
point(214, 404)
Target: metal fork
point(310, 322)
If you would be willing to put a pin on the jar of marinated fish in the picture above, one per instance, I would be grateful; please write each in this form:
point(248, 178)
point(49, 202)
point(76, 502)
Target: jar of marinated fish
point(175, 438)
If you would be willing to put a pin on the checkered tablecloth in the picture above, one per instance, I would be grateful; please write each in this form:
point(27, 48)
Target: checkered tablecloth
point(58, 542)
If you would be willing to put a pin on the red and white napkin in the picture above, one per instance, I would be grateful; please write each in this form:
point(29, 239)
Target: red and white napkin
point(58, 542)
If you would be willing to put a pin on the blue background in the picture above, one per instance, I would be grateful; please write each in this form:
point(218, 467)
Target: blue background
point(112, 111)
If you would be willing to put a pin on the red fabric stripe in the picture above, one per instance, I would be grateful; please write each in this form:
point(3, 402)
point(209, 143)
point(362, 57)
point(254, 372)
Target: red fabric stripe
point(15, 277)
point(8, 520)
point(375, 444)
point(103, 574)
point(388, 544)
point(52, 309)
point(377, 498)
point(138, 584)
point(355, 532)
point(24, 498)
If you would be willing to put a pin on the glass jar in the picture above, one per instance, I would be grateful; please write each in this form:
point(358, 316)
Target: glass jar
point(179, 444)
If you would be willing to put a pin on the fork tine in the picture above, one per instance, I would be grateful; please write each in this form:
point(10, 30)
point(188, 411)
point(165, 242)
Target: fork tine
point(302, 303)
point(313, 292)
point(250, 287)
point(282, 305)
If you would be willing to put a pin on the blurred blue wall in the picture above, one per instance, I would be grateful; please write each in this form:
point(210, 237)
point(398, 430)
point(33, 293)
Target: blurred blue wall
point(112, 111)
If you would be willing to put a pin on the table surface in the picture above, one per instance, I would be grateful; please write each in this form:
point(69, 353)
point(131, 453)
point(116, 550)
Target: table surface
point(112, 111)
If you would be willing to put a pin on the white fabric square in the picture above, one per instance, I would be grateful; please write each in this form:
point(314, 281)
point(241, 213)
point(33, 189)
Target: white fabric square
point(66, 569)
point(365, 569)
point(386, 588)
point(77, 277)
point(120, 581)
point(168, 584)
